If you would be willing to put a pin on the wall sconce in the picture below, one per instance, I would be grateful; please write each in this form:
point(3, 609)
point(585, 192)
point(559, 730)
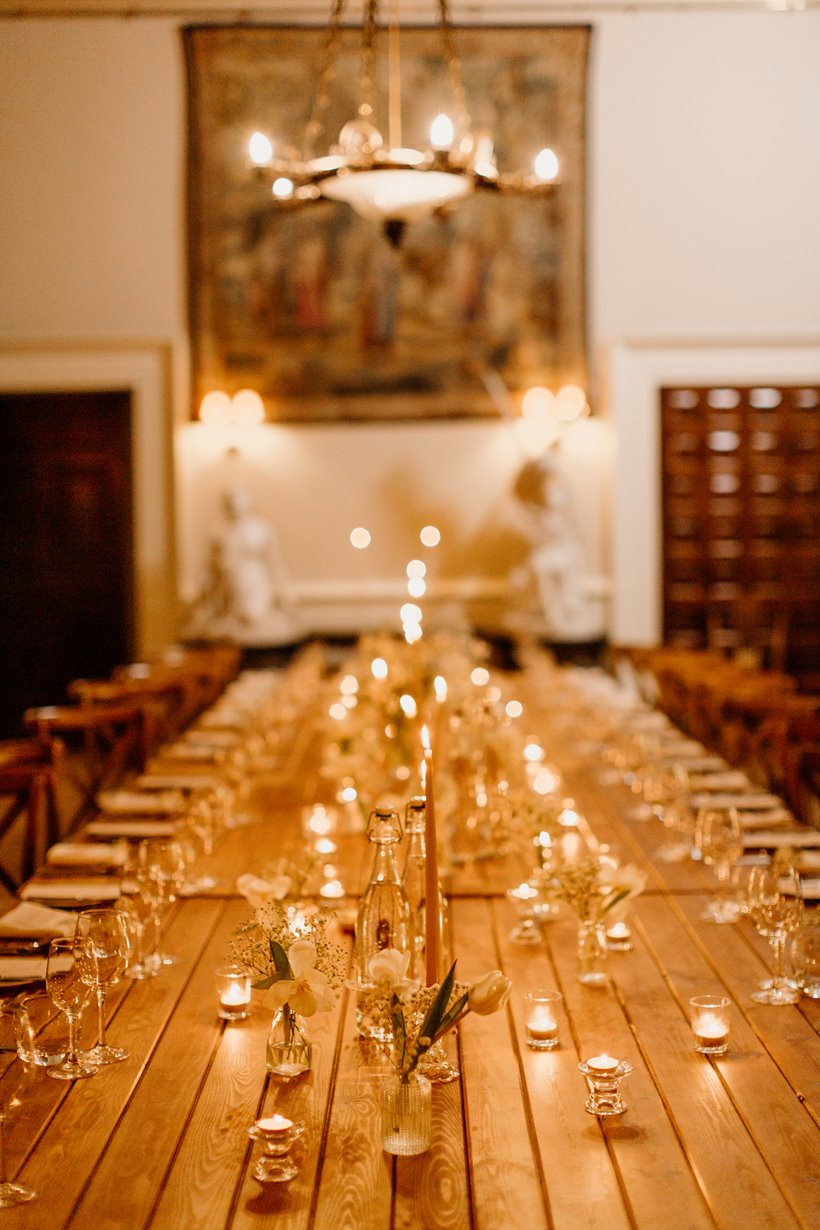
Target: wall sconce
point(545, 416)
point(231, 416)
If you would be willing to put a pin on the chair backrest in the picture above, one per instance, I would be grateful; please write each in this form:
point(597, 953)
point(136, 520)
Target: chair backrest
point(30, 803)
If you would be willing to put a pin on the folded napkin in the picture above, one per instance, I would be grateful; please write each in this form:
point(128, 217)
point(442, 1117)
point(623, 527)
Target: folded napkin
point(765, 819)
point(681, 747)
point(97, 889)
point(732, 779)
point(696, 764)
point(140, 802)
point(198, 752)
point(179, 781)
point(809, 889)
point(31, 919)
point(782, 839)
point(744, 802)
point(809, 861)
point(21, 969)
point(211, 738)
point(86, 854)
point(130, 828)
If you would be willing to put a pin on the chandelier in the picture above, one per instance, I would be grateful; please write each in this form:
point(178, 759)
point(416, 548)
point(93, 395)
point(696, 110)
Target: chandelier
point(382, 179)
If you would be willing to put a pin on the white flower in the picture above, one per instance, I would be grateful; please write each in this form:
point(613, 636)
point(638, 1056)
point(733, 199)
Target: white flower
point(622, 883)
point(259, 892)
point(489, 994)
point(388, 969)
point(308, 991)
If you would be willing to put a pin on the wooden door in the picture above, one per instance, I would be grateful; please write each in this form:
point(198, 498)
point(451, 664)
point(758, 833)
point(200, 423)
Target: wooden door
point(66, 570)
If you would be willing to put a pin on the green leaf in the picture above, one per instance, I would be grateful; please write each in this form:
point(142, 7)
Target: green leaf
point(265, 983)
point(618, 897)
point(436, 1011)
point(451, 1017)
point(280, 960)
point(399, 1029)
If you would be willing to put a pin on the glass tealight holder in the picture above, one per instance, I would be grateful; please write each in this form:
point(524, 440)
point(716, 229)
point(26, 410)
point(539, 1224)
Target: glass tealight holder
point(619, 937)
point(709, 1015)
point(603, 1076)
point(541, 1019)
point(233, 993)
point(276, 1135)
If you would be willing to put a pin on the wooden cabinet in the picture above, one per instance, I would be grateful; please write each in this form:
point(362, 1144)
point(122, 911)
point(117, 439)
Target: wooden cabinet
point(741, 521)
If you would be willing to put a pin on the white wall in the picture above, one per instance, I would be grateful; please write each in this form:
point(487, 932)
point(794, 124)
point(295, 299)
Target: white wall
point(704, 195)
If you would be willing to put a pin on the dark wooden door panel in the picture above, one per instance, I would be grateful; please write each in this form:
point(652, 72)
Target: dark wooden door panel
point(65, 543)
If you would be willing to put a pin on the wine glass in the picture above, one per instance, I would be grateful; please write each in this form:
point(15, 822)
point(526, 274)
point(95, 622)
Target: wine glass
point(721, 844)
point(103, 948)
point(776, 909)
point(136, 912)
point(160, 873)
point(11, 1193)
point(69, 993)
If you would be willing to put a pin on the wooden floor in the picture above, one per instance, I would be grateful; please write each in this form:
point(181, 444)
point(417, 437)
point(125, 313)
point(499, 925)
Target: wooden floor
point(729, 1141)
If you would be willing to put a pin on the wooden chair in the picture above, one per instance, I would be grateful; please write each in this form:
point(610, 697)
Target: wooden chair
point(104, 742)
point(29, 790)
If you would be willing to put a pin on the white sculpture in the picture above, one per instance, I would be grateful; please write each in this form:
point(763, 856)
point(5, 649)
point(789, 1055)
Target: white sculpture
point(245, 594)
point(556, 565)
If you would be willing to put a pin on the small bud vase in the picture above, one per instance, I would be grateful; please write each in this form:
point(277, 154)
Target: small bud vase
point(592, 954)
point(407, 1115)
point(289, 1048)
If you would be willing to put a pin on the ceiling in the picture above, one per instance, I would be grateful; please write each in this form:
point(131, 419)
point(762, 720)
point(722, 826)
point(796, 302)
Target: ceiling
point(315, 12)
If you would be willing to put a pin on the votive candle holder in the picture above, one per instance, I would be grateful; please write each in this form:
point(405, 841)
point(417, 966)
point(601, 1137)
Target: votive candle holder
point(541, 1010)
point(709, 1015)
point(233, 993)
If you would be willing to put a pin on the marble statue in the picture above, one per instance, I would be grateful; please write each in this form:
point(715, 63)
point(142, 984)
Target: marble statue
point(245, 595)
point(555, 567)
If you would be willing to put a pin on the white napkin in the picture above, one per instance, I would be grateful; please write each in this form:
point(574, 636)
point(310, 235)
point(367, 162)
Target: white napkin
point(809, 860)
point(199, 752)
point(139, 802)
point(732, 779)
point(31, 919)
point(799, 838)
point(71, 890)
point(17, 969)
point(179, 781)
point(130, 828)
point(211, 738)
point(744, 802)
point(86, 854)
point(810, 889)
point(765, 819)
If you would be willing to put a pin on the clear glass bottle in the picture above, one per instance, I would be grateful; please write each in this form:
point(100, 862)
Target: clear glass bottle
point(414, 879)
point(383, 920)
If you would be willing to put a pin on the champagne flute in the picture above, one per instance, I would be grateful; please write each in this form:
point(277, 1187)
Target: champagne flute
point(11, 1192)
point(721, 845)
point(160, 874)
point(69, 993)
point(776, 909)
point(103, 948)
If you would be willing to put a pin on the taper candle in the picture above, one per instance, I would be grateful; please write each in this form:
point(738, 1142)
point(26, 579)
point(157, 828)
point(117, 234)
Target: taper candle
point(432, 915)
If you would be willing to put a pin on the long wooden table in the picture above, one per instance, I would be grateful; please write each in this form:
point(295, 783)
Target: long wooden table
point(729, 1141)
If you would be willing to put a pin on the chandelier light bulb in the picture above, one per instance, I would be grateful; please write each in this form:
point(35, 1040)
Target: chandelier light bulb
point(416, 568)
point(282, 188)
point(416, 587)
point(442, 132)
point(430, 536)
point(570, 403)
point(537, 402)
point(215, 407)
point(546, 165)
point(260, 149)
point(247, 408)
point(360, 538)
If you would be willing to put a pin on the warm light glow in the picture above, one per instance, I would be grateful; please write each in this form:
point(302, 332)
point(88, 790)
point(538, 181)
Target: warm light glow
point(494, 695)
point(247, 408)
point(215, 408)
point(260, 149)
point(480, 676)
point(546, 165)
point(545, 782)
point(571, 403)
point(440, 688)
point(412, 632)
point(408, 705)
point(533, 751)
point(349, 685)
point(350, 702)
point(276, 1123)
point(416, 587)
point(348, 794)
point(425, 738)
point(378, 668)
point(603, 1064)
point(442, 132)
point(410, 613)
point(320, 822)
point(416, 569)
point(396, 193)
point(430, 536)
point(323, 845)
point(282, 187)
point(513, 708)
point(360, 538)
point(537, 402)
point(337, 711)
point(568, 818)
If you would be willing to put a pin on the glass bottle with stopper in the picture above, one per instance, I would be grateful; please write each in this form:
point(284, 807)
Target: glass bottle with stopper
point(383, 920)
point(414, 879)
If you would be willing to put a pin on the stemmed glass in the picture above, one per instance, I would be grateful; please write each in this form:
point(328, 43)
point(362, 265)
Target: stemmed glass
point(776, 909)
point(103, 948)
point(721, 844)
point(136, 912)
point(11, 1193)
point(160, 873)
point(69, 993)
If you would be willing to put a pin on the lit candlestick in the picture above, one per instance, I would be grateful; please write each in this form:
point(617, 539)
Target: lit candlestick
point(710, 1023)
point(541, 1019)
point(432, 921)
point(603, 1065)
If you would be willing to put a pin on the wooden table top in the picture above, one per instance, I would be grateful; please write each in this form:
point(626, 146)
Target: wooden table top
point(722, 1141)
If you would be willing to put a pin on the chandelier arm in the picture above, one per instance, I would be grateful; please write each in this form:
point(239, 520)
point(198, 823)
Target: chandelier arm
point(321, 98)
point(463, 118)
point(368, 65)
